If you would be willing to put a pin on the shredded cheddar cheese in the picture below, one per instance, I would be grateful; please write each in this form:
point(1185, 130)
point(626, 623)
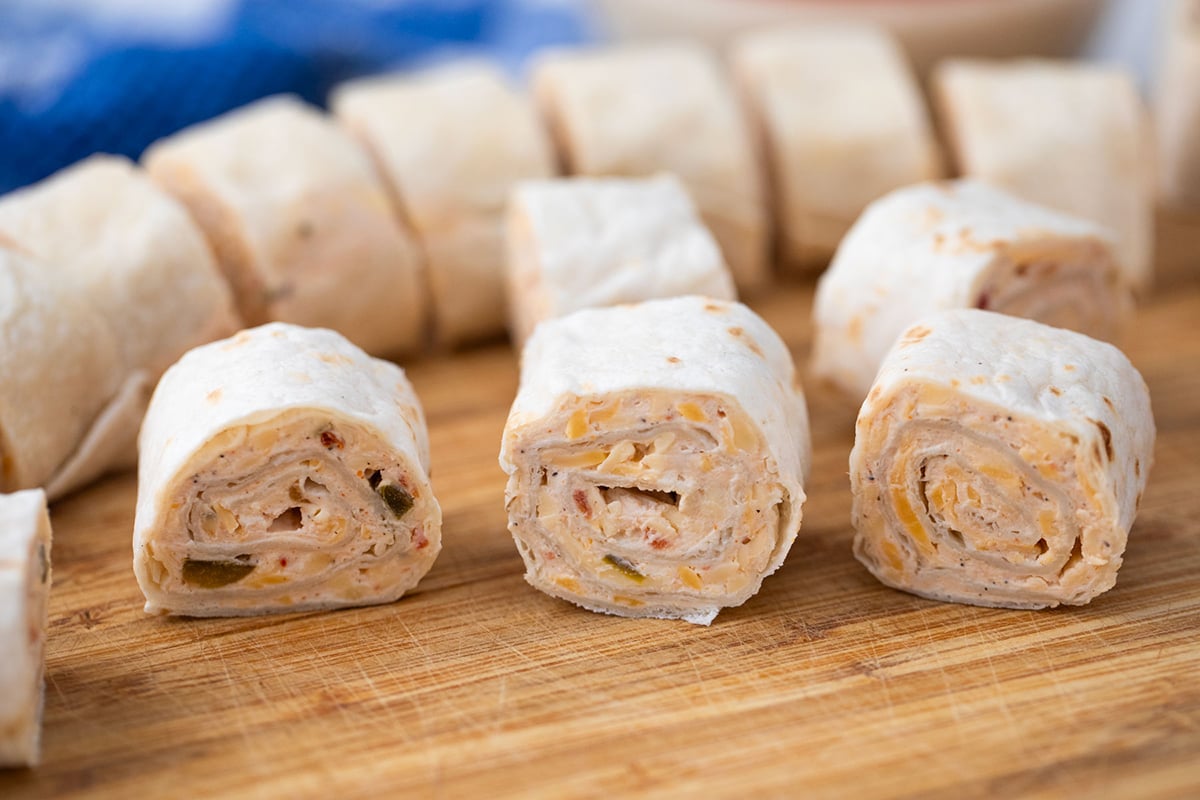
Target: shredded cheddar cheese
point(690, 578)
point(908, 518)
point(691, 412)
point(577, 425)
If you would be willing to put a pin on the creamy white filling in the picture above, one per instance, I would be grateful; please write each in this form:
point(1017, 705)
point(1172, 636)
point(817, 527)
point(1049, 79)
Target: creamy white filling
point(968, 503)
point(1075, 293)
point(299, 506)
point(651, 506)
point(976, 500)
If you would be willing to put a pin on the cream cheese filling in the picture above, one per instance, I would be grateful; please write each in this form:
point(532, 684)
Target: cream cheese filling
point(975, 499)
point(297, 508)
point(1069, 291)
point(651, 499)
point(965, 501)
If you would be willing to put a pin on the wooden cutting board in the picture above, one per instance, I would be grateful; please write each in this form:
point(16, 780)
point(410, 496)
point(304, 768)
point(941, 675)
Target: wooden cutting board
point(826, 684)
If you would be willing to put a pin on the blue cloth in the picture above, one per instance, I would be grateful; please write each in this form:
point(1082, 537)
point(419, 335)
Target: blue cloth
point(108, 88)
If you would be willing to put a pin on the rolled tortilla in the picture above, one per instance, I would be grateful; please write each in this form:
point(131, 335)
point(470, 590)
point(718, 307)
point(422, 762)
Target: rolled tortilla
point(959, 244)
point(450, 143)
point(656, 455)
point(300, 223)
point(586, 242)
point(1000, 462)
point(841, 121)
point(1067, 135)
point(282, 469)
point(1177, 105)
point(24, 591)
point(60, 376)
point(133, 251)
point(105, 232)
point(639, 110)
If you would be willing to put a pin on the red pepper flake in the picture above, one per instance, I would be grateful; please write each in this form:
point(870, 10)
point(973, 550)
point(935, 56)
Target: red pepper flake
point(419, 540)
point(283, 562)
point(660, 544)
point(331, 440)
point(580, 497)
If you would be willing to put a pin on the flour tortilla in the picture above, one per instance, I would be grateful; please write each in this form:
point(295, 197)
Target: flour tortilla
point(451, 142)
point(639, 110)
point(300, 224)
point(61, 379)
point(842, 122)
point(1064, 134)
point(106, 230)
point(104, 233)
point(585, 242)
point(24, 592)
point(1177, 105)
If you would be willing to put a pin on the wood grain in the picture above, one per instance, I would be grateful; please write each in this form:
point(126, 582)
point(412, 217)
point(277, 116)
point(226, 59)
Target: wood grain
point(826, 684)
